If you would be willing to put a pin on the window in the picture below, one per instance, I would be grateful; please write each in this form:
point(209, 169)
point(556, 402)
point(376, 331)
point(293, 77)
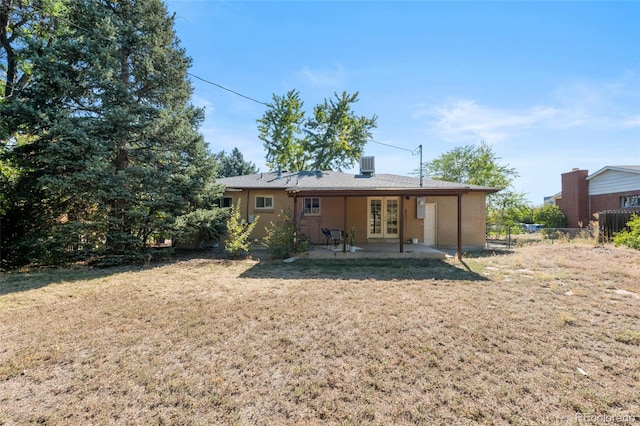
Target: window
point(225, 202)
point(311, 206)
point(264, 202)
point(630, 201)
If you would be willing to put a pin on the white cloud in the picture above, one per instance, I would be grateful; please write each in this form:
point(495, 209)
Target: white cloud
point(203, 103)
point(612, 105)
point(467, 120)
point(322, 78)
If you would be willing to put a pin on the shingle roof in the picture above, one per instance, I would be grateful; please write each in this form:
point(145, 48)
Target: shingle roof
point(330, 180)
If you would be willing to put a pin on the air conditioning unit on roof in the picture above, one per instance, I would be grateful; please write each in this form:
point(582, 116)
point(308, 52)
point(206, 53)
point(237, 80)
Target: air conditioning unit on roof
point(367, 165)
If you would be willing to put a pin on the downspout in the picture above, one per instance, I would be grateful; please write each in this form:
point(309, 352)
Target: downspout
point(344, 226)
point(247, 204)
point(295, 223)
point(459, 226)
point(402, 218)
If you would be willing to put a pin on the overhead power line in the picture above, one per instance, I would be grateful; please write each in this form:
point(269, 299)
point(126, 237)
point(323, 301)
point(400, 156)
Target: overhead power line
point(412, 151)
point(227, 89)
point(93, 34)
point(417, 151)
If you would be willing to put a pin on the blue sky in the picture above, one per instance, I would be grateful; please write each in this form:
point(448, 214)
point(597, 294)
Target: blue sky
point(549, 85)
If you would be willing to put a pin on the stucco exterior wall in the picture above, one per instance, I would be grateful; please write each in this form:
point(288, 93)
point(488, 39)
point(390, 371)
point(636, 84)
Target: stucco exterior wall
point(249, 211)
point(473, 220)
point(413, 227)
point(332, 216)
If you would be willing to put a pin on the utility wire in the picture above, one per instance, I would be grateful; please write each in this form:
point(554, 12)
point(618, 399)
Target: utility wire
point(227, 89)
point(417, 151)
point(91, 33)
point(413, 152)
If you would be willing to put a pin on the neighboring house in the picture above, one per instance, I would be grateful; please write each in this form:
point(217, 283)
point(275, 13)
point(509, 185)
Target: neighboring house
point(381, 207)
point(610, 188)
point(553, 199)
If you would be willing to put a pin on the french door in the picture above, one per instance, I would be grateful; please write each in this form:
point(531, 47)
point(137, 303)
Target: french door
point(384, 217)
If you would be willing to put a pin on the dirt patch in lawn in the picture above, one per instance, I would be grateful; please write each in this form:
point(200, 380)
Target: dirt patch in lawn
point(543, 334)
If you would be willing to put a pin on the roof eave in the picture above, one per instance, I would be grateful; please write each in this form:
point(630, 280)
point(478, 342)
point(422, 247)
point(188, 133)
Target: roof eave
point(613, 168)
point(354, 192)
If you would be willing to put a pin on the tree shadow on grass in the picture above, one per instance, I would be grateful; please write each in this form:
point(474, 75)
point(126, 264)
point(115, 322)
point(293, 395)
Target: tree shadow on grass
point(19, 281)
point(343, 269)
point(39, 277)
point(363, 269)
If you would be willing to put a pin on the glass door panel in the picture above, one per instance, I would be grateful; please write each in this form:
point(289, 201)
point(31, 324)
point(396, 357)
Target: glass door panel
point(391, 218)
point(375, 217)
point(383, 217)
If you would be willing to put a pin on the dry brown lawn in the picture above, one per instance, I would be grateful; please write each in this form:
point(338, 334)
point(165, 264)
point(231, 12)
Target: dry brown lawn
point(543, 334)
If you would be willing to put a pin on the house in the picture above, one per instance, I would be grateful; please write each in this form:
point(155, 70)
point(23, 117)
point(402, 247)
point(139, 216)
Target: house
point(610, 188)
point(380, 207)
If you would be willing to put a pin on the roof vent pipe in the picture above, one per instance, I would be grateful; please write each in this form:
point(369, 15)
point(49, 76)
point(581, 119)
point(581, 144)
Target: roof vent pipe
point(279, 172)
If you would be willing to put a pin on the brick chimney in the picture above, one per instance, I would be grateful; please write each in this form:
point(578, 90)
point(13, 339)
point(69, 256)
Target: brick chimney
point(575, 197)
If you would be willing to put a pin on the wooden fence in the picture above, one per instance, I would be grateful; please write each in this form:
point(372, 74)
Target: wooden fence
point(612, 221)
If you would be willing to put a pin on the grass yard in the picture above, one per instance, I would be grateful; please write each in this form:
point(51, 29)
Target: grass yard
point(542, 334)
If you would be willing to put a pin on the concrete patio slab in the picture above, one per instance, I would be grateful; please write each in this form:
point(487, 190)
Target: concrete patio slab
point(374, 251)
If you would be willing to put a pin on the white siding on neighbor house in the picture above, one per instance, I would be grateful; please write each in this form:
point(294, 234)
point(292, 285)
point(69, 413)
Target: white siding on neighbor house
point(612, 181)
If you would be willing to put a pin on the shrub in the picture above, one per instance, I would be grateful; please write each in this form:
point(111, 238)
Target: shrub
point(550, 216)
point(630, 237)
point(279, 239)
point(238, 233)
point(201, 224)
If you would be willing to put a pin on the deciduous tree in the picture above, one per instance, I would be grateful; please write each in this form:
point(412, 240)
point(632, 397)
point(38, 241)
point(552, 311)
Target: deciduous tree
point(479, 165)
point(280, 129)
point(333, 139)
point(550, 216)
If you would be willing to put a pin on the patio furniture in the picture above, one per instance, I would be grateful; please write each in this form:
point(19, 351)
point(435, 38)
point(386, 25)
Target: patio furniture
point(327, 235)
point(337, 236)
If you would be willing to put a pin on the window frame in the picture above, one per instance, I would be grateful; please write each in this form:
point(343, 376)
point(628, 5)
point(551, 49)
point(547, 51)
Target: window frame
point(222, 203)
point(630, 201)
point(311, 212)
point(264, 206)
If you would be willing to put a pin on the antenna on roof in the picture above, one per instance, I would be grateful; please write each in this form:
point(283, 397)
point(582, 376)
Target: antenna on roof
point(421, 175)
point(414, 152)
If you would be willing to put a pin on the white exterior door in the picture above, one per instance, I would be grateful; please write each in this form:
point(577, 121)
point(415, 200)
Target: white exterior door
point(430, 224)
point(384, 215)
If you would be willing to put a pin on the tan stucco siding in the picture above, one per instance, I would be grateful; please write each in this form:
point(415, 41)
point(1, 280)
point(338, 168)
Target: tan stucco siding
point(473, 220)
point(332, 216)
point(414, 227)
point(331, 213)
point(248, 209)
